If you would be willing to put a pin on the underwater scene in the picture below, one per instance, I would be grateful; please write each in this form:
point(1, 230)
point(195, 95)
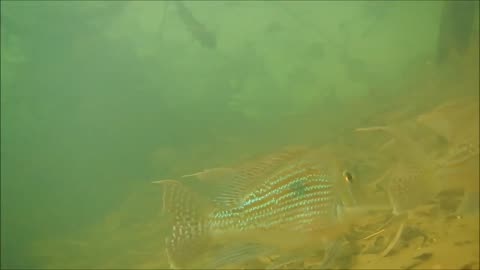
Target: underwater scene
point(240, 134)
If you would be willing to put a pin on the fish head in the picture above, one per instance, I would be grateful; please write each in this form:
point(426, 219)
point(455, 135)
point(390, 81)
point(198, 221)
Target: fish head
point(345, 182)
point(340, 171)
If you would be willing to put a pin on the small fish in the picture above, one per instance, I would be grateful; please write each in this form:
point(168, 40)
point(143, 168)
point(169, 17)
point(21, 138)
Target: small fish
point(409, 182)
point(274, 27)
point(197, 29)
point(417, 176)
point(285, 203)
point(458, 122)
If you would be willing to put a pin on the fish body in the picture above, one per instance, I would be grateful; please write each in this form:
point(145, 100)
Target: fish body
point(286, 208)
point(408, 187)
point(290, 199)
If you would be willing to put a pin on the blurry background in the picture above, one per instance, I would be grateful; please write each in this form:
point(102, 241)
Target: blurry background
point(99, 98)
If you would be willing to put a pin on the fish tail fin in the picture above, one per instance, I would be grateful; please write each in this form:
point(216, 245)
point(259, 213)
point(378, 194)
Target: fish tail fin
point(188, 213)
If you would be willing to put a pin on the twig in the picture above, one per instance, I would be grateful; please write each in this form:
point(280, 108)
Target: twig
point(394, 241)
point(373, 234)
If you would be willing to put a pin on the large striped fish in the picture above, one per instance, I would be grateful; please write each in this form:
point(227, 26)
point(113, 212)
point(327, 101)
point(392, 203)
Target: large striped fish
point(286, 203)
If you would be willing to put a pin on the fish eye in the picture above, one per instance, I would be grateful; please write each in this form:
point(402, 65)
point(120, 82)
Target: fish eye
point(348, 177)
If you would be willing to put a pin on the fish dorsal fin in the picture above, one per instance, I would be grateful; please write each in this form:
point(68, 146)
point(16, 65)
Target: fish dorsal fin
point(253, 174)
point(179, 199)
point(213, 174)
point(228, 186)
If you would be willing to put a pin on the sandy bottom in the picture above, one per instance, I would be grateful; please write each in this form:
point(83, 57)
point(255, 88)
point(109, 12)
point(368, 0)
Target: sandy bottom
point(427, 242)
point(131, 239)
point(430, 240)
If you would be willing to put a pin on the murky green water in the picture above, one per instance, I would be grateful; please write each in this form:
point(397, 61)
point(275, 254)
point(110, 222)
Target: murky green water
point(100, 98)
